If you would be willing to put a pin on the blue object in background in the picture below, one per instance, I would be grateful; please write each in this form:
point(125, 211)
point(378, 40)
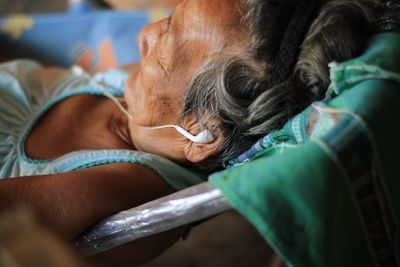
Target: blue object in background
point(96, 40)
point(82, 6)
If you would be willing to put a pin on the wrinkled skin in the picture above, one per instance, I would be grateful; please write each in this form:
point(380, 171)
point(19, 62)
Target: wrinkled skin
point(172, 52)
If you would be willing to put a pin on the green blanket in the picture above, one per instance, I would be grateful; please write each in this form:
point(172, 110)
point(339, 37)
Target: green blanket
point(322, 191)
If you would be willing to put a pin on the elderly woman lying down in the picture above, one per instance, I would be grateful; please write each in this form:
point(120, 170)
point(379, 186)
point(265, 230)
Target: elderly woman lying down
point(80, 157)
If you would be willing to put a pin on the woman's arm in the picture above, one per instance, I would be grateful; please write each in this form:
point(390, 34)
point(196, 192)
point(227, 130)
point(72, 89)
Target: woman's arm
point(70, 202)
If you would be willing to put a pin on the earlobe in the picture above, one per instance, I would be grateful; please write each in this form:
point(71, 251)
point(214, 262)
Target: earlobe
point(196, 152)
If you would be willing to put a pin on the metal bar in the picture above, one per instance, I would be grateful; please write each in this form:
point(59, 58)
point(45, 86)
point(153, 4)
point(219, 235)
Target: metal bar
point(186, 206)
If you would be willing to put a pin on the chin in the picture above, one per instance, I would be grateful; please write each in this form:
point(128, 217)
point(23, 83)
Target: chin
point(129, 85)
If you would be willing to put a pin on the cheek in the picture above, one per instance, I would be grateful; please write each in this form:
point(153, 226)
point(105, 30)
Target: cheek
point(167, 109)
point(136, 98)
point(150, 101)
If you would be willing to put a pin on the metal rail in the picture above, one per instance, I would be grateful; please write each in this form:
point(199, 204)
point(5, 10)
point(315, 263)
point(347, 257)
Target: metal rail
point(186, 206)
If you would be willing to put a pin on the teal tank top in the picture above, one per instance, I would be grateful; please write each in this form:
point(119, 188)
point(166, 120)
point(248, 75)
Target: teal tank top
point(27, 91)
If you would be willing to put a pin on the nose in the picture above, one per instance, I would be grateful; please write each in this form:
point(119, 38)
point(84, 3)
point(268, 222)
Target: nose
point(148, 38)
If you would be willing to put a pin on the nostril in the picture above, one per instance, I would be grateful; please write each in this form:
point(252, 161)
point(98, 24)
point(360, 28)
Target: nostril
point(148, 38)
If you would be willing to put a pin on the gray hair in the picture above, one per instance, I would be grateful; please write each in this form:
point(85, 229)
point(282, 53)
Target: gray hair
point(233, 89)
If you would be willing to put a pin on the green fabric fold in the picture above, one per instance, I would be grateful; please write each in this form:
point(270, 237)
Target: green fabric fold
point(297, 207)
point(311, 201)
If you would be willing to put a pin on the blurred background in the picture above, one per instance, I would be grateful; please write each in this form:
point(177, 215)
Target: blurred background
point(95, 34)
point(60, 6)
point(32, 6)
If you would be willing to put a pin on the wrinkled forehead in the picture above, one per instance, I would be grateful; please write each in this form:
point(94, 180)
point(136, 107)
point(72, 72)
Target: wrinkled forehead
point(223, 13)
point(218, 22)
point(202, 29)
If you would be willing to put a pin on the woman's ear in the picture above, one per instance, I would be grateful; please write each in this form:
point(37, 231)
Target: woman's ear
point(196, 152)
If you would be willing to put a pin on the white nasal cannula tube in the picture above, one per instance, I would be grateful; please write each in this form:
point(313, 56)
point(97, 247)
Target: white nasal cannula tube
point(203, 137)
point(78, 70)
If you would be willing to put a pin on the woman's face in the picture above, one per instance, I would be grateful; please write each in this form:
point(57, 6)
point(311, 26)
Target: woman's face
point(172, 51)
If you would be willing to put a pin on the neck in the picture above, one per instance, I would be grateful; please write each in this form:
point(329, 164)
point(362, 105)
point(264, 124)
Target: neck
point(118, 125)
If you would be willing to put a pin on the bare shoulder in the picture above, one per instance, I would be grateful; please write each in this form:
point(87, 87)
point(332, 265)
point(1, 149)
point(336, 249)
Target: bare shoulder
point(125, 169)
point(70, 202)
point(111, 188)
point(132, 183)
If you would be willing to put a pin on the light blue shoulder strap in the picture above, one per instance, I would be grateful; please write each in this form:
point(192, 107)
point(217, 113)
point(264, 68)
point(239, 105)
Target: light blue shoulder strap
point(174, 175)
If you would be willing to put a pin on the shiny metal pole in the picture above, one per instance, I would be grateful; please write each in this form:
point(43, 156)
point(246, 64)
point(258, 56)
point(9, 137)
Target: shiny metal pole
point(186, 206)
